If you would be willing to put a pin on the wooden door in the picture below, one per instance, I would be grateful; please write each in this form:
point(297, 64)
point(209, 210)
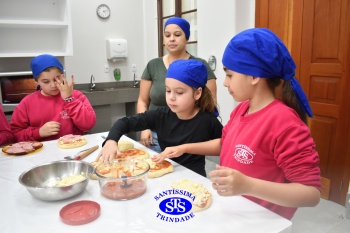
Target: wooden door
point(318, 35)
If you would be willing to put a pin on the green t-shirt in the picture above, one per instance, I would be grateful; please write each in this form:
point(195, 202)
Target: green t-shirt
point(155, 71)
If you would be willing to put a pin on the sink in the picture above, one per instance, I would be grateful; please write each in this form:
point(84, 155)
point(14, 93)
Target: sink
point(95, 89)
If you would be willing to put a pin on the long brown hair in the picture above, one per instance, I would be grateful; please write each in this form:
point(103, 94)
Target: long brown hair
point(287, 95)
point(206, 102)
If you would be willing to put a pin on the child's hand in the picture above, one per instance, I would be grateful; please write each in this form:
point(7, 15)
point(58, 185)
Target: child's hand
point(229, 182)
point(49, 128)
point(146, 138)
point(66, 89)
point(108, 152)
point(169, 152)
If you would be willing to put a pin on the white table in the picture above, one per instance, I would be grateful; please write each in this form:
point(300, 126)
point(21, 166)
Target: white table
point(21, 212)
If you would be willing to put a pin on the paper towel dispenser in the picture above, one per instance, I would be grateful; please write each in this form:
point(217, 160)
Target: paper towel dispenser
point(116, 49)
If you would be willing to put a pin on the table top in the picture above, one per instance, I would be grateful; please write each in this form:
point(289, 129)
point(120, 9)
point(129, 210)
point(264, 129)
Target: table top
point(21, 212)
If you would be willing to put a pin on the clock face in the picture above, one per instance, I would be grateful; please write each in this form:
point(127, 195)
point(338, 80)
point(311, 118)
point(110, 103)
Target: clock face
point(103, 11)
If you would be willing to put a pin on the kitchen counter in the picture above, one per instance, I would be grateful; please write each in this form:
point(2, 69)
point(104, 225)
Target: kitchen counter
point(21, 212)
point(110, 93)
point(104, 96)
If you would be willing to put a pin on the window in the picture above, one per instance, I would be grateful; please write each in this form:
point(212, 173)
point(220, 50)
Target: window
point(186, 9)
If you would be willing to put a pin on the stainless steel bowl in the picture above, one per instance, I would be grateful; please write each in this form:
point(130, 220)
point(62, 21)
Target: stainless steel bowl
point(40, 179)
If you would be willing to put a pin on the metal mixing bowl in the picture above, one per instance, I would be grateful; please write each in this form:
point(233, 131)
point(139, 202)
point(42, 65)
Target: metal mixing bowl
point(40, 179)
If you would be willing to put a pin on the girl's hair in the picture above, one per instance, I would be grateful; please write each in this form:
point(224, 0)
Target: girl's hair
point(206, 102)
point(287, 96)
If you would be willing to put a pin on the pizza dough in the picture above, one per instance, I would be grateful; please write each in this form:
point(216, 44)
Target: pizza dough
point(70, 141)
point(134, 153)
point(159, 169)
point(125, 145)
point(203, 196)
point(22, 148)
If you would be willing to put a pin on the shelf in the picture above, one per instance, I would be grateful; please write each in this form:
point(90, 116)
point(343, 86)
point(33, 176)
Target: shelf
point(37, 27)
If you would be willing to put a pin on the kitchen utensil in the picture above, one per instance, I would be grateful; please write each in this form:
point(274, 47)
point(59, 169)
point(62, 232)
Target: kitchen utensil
point(40, 180)
point(126, 180)
point(82, 154)
point(125, 184)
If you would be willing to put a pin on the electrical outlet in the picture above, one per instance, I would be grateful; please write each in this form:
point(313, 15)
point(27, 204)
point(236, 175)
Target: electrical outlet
point(134, 68)
point(106, 68)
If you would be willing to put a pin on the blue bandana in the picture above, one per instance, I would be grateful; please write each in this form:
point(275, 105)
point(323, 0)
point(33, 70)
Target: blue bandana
point(260, 53)
point(182, 23)
point(42, 62)
point(191, 72)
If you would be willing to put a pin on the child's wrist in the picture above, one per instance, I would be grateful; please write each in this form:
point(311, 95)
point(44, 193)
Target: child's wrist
point(68, 99)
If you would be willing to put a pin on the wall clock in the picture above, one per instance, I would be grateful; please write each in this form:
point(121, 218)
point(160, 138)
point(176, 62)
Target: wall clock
point(103, 11)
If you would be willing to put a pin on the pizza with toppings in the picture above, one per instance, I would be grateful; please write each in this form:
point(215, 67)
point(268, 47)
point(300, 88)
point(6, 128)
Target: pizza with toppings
point(159, 169)
point(22, 148)
point(203, 196)
point(133, 153)
point(71, 141)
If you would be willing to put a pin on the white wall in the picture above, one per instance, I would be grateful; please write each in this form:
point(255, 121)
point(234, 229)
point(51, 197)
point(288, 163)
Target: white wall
point(217, 24)
point(129, 20)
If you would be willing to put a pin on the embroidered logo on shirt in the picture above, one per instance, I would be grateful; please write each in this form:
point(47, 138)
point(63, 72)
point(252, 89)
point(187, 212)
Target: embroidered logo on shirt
point(64, 114)
point(243, 154)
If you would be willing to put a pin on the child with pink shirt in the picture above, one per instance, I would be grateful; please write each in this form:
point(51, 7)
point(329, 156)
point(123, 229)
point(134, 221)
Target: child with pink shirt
point(55, 109)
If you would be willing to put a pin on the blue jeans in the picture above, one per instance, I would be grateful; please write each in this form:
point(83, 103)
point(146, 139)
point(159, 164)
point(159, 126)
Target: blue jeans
point(155, 146)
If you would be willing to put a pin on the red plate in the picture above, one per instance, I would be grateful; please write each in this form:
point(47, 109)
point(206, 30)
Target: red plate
point(80, 212)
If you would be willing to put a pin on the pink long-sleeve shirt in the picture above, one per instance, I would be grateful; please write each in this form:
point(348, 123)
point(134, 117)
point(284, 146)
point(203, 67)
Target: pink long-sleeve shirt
point(6, 136)
point(36, 109)
point(272, 144)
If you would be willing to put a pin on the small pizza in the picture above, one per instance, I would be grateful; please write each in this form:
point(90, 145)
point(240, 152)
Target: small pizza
point(70, 141)
point(134, 153)
point(159, 169)
point(22, 148)
point(118, 170)
point(203, 196)
point(129, 153)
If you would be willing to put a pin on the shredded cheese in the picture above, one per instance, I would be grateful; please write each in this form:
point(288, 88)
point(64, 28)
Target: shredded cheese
point(64, 181)
point(201, 193)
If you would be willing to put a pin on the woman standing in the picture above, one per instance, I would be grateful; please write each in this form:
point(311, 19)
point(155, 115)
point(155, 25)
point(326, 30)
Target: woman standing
point(152, 85)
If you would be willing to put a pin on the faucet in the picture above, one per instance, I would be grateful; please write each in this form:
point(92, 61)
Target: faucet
point(92, 85)
point(135, 81)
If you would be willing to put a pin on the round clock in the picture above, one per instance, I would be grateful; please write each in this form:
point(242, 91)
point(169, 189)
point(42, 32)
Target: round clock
point(103, 11)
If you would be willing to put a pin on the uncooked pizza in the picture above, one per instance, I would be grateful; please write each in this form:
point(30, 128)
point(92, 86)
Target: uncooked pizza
point(71, 141)
point(134, 153)
point(159, 169)
point(22, 148)
point(203, 196)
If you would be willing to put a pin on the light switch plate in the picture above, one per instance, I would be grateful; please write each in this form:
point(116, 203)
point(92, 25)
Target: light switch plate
point(106, 68)
point(134, 68)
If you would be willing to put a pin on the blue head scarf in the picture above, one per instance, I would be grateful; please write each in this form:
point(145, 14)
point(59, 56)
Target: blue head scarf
point(182, 23)
point(259, 52)
point(191, 72)
point(42, 62)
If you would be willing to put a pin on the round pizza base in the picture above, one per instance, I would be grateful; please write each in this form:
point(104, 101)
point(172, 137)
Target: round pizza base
point(161, 172)
point(198, 209)
point(144, 155)
point(72, 145)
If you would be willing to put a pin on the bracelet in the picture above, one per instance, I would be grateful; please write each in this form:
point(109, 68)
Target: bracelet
point(68, 99)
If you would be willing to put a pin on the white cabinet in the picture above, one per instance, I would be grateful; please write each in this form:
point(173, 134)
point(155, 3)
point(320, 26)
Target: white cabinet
point(32, 27)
